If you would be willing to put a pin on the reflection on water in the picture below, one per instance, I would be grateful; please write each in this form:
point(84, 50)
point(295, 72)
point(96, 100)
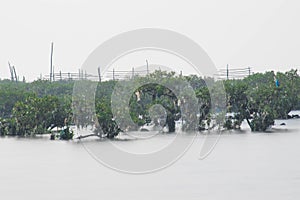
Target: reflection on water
point(242, 166)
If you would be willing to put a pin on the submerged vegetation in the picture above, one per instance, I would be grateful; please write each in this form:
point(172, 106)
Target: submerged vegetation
point(34, 108)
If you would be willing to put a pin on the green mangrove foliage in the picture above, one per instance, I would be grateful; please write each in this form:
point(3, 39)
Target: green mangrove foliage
point(34, 108)
point(259, 100)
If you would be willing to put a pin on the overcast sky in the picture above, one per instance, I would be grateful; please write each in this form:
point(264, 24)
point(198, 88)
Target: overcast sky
point(261, 34)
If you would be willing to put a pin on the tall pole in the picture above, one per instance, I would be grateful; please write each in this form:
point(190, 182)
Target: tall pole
point(53, 75)
point(249, 71)
point(11, 72)
point(51, 61)
point(15, 73)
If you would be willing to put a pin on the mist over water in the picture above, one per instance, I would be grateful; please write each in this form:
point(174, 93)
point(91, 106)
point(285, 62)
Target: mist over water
point(243, 165)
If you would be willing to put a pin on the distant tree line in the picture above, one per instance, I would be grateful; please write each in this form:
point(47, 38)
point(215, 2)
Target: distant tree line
point(34, 108)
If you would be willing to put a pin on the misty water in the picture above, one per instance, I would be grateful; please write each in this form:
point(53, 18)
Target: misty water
point(243, 165)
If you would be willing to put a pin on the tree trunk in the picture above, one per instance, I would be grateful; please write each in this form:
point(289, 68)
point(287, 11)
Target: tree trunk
point(249, 123)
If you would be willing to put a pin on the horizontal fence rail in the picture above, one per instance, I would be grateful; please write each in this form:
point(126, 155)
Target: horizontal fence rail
point(234, 73)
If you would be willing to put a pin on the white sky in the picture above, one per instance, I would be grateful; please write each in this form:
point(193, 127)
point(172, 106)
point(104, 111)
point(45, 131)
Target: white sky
point(261, 34)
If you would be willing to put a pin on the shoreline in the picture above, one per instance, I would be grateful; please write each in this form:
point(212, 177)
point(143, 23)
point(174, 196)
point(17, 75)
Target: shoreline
point(290, 126)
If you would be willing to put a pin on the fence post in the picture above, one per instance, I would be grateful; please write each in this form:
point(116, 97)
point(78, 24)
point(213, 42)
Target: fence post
point(147, 67)
point(132, 72)
point(227, 72)
point(99, 74)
